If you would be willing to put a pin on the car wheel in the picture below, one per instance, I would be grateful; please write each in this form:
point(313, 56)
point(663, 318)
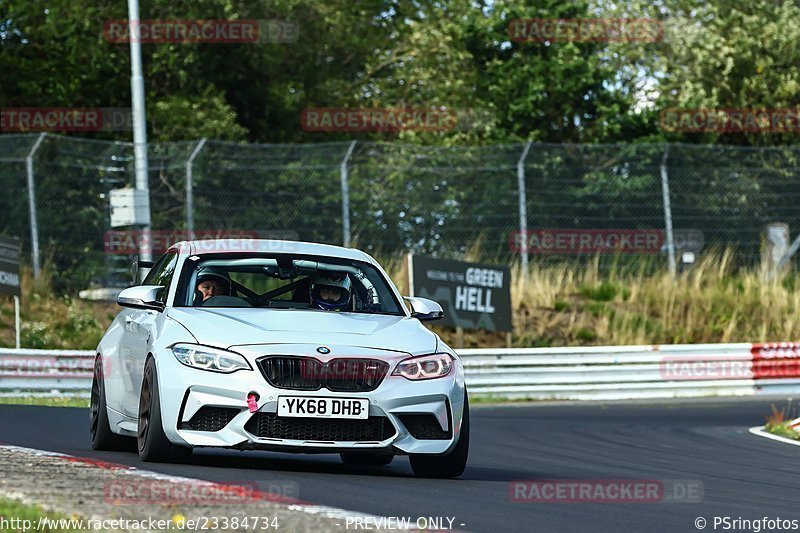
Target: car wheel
point(100, 433)
point(153, 444)
point(451, 464)
point(365, 459)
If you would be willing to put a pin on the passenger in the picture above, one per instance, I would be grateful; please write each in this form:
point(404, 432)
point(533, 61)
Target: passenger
point(330, 291)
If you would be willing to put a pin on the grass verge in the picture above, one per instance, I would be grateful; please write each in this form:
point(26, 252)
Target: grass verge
point(488, 400)
point(16, 516)
point(777, 423)
point(51, 401)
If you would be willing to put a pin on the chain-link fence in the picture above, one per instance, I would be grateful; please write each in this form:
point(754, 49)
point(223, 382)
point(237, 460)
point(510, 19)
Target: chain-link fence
point(525, 202)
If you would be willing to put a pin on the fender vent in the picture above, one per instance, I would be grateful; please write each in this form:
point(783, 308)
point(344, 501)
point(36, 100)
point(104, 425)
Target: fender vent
point(426, 427)
point(210, 418)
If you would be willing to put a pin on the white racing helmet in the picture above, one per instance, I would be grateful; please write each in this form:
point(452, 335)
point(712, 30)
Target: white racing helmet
point(336, 282)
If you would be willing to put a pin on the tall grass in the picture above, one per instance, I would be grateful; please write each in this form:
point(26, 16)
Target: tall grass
point(582, 303)
point(563, 304)
point(53, 321)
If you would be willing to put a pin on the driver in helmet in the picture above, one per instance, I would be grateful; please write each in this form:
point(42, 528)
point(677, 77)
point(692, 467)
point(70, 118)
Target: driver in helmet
point(330, 291)
point(211, 282)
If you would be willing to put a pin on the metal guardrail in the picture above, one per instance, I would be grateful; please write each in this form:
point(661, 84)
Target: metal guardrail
point(45, 372)
point(573, 373)
point(629, 372)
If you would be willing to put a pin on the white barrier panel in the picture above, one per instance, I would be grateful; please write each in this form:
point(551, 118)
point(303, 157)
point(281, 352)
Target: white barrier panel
point(570, 373)
point(43, 372)
point(632, 372)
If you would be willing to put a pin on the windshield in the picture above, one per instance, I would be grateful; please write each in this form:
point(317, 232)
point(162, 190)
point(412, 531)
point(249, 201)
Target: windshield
point(286, 282)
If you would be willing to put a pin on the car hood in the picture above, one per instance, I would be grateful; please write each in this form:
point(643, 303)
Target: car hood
point(226, 327)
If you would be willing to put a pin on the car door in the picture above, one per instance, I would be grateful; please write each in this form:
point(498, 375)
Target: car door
point(140, 327)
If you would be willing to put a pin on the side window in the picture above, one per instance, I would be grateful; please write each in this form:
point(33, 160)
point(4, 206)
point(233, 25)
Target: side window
point(158, 267)
point(162, 273)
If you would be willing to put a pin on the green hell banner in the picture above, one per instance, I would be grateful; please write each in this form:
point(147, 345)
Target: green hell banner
point(473, 295)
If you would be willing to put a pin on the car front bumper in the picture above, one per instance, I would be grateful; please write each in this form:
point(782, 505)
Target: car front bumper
point(186, 391)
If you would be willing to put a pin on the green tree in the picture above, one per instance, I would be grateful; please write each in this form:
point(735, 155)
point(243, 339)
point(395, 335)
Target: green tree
point(722, 54)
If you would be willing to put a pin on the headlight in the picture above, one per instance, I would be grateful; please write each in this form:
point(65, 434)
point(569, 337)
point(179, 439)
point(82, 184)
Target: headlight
point(437, 365)
point(207, 358)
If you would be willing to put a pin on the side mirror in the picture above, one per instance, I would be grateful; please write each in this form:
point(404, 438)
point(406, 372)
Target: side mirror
point(139, 270)
point(424, 309)
point(141, 297)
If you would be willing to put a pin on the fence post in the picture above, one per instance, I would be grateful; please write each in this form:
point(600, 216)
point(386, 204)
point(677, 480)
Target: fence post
point(346, 196)
point(139, 126)
point(37, 266)
point(668, 213)
point(190, 188)
point(523, 212)
point(788, 255)
point(16, 320)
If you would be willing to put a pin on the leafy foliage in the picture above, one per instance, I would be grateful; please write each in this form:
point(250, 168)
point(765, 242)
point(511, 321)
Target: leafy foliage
point(455, 54)
point(777, 424)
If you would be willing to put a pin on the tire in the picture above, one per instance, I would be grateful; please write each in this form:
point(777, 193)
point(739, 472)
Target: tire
point(449, 465)
point(152, 443)
point(100, 434)
point(365, 459)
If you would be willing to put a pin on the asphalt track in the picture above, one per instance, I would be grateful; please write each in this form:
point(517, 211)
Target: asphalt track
point(743, 476)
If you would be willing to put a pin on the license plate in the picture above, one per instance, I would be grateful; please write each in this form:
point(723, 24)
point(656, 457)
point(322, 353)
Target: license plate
point(303, 406)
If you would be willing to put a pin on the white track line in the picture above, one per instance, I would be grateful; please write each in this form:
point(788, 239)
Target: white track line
point(759, 430)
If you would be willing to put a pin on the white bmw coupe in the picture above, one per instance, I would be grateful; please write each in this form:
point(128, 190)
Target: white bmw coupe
point(282, 346)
